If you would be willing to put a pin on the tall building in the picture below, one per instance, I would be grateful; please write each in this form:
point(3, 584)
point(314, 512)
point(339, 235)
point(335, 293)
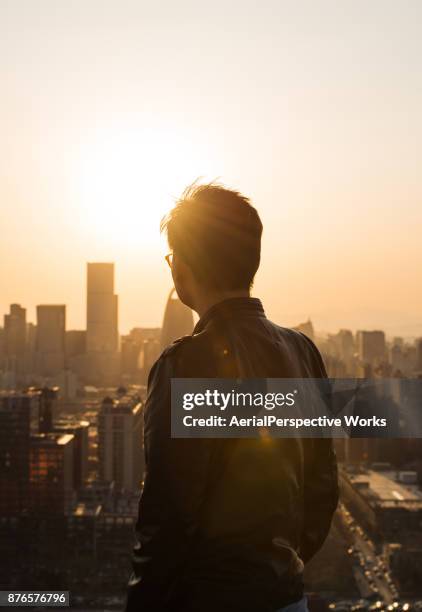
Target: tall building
point(371, 347)
point(51, 470)
point(101, 365)
point(48, 403)
point(75, 343)
point(140, 348)
point(120, 442)
point(79, 429)
point(177, 322)
point(50, 346)
point(345, 343)
point(102, 309)
point(14, 340)
point(19, 418)
point(130, 356)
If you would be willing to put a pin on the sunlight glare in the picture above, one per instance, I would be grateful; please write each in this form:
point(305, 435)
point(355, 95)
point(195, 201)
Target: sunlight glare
point(130, 180)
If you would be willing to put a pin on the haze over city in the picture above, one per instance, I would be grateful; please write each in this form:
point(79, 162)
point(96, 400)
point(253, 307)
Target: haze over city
point(311, 109)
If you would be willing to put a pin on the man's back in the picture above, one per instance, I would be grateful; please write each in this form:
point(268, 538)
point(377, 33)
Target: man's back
point(225, 524)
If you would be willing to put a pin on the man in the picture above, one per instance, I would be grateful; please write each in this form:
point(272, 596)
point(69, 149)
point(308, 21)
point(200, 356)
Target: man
point(227, 524)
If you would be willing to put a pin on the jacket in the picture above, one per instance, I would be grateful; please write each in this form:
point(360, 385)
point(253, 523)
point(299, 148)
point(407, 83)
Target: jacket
point(228, 524)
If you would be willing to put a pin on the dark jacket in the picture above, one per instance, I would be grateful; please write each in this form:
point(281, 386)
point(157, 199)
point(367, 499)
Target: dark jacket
point(225, 524)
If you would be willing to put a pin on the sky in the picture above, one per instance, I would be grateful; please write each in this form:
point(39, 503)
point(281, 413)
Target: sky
point(311, 108)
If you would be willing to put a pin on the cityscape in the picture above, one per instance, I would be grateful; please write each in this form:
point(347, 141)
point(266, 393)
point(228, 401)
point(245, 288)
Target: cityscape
point(71, 419)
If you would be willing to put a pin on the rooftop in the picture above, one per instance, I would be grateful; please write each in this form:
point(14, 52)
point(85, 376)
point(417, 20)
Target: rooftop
point(384, 490)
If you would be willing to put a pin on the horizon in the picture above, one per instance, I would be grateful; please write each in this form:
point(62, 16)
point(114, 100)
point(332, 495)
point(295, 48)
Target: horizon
point(139, 324)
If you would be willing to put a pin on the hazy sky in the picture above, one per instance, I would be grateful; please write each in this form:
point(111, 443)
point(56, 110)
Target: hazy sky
point(313, 109)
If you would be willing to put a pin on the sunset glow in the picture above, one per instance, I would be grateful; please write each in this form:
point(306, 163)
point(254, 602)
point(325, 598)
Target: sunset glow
point(127, 181)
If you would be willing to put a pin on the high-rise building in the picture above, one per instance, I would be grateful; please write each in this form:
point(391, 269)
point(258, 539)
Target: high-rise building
point(140, 348)
point(130, 356)
point(120, 441)
point(51, 470)
point(101, 365)
point(102, 309)
point(150, 354)
point(48, 402)
point(371, 347)
point(79, 429)
point(50, 344)
point(345, 344)
point(75, 343)
point(177, 322)
point(19, 418)
point(14, 340)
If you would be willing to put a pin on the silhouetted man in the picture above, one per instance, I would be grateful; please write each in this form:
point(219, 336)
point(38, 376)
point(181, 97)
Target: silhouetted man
point(227, 524)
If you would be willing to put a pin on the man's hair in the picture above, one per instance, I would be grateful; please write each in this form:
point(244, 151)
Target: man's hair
point(217, 232)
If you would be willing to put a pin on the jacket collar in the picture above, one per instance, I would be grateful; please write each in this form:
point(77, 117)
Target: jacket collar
point(231, 308)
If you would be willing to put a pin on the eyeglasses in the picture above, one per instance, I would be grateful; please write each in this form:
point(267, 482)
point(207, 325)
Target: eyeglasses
point(169, 259)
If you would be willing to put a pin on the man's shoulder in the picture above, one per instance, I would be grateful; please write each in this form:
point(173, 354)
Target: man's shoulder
point(305, 348)
point(190, 355)
point(172, 352)
point(294, 336)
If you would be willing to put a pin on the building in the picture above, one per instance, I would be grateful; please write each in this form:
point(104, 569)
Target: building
point(51, 469)
point(48, 402)
point(120, 441)
point(102, 364)
point(389, 508)
point(140, 349)
point(19, 418)
point(102, 309)
point(80, 430)
point(75, 343)
point(177, 322)
point(50, 344)
point(149, 355)
point(130, 357)
point(371, 349)
point(14, 341)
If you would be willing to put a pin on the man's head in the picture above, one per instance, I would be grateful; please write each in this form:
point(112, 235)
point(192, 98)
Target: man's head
point(215, 237)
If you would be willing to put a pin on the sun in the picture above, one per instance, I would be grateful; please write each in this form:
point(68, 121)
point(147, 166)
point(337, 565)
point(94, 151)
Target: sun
point(129, 178)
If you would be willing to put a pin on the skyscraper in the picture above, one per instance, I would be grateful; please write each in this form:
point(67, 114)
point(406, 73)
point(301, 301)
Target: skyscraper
point(19, 416)
point(371, 347)
point(120, 441)
point(177, 322)
point(102, 309)
point(79, 429)
point(51, 470)
point(14, 341)
point(50, 339)
point(102, 337)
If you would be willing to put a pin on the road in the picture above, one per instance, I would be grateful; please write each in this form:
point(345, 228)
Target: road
point(372, 576)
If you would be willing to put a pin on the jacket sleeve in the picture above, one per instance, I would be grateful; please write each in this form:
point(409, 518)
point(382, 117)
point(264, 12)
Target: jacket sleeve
point(175, 480)
point(320, 495)
point(320, 480)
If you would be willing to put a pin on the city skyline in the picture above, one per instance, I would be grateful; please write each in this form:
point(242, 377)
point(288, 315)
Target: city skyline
point(291, 319)
point(313, 113)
